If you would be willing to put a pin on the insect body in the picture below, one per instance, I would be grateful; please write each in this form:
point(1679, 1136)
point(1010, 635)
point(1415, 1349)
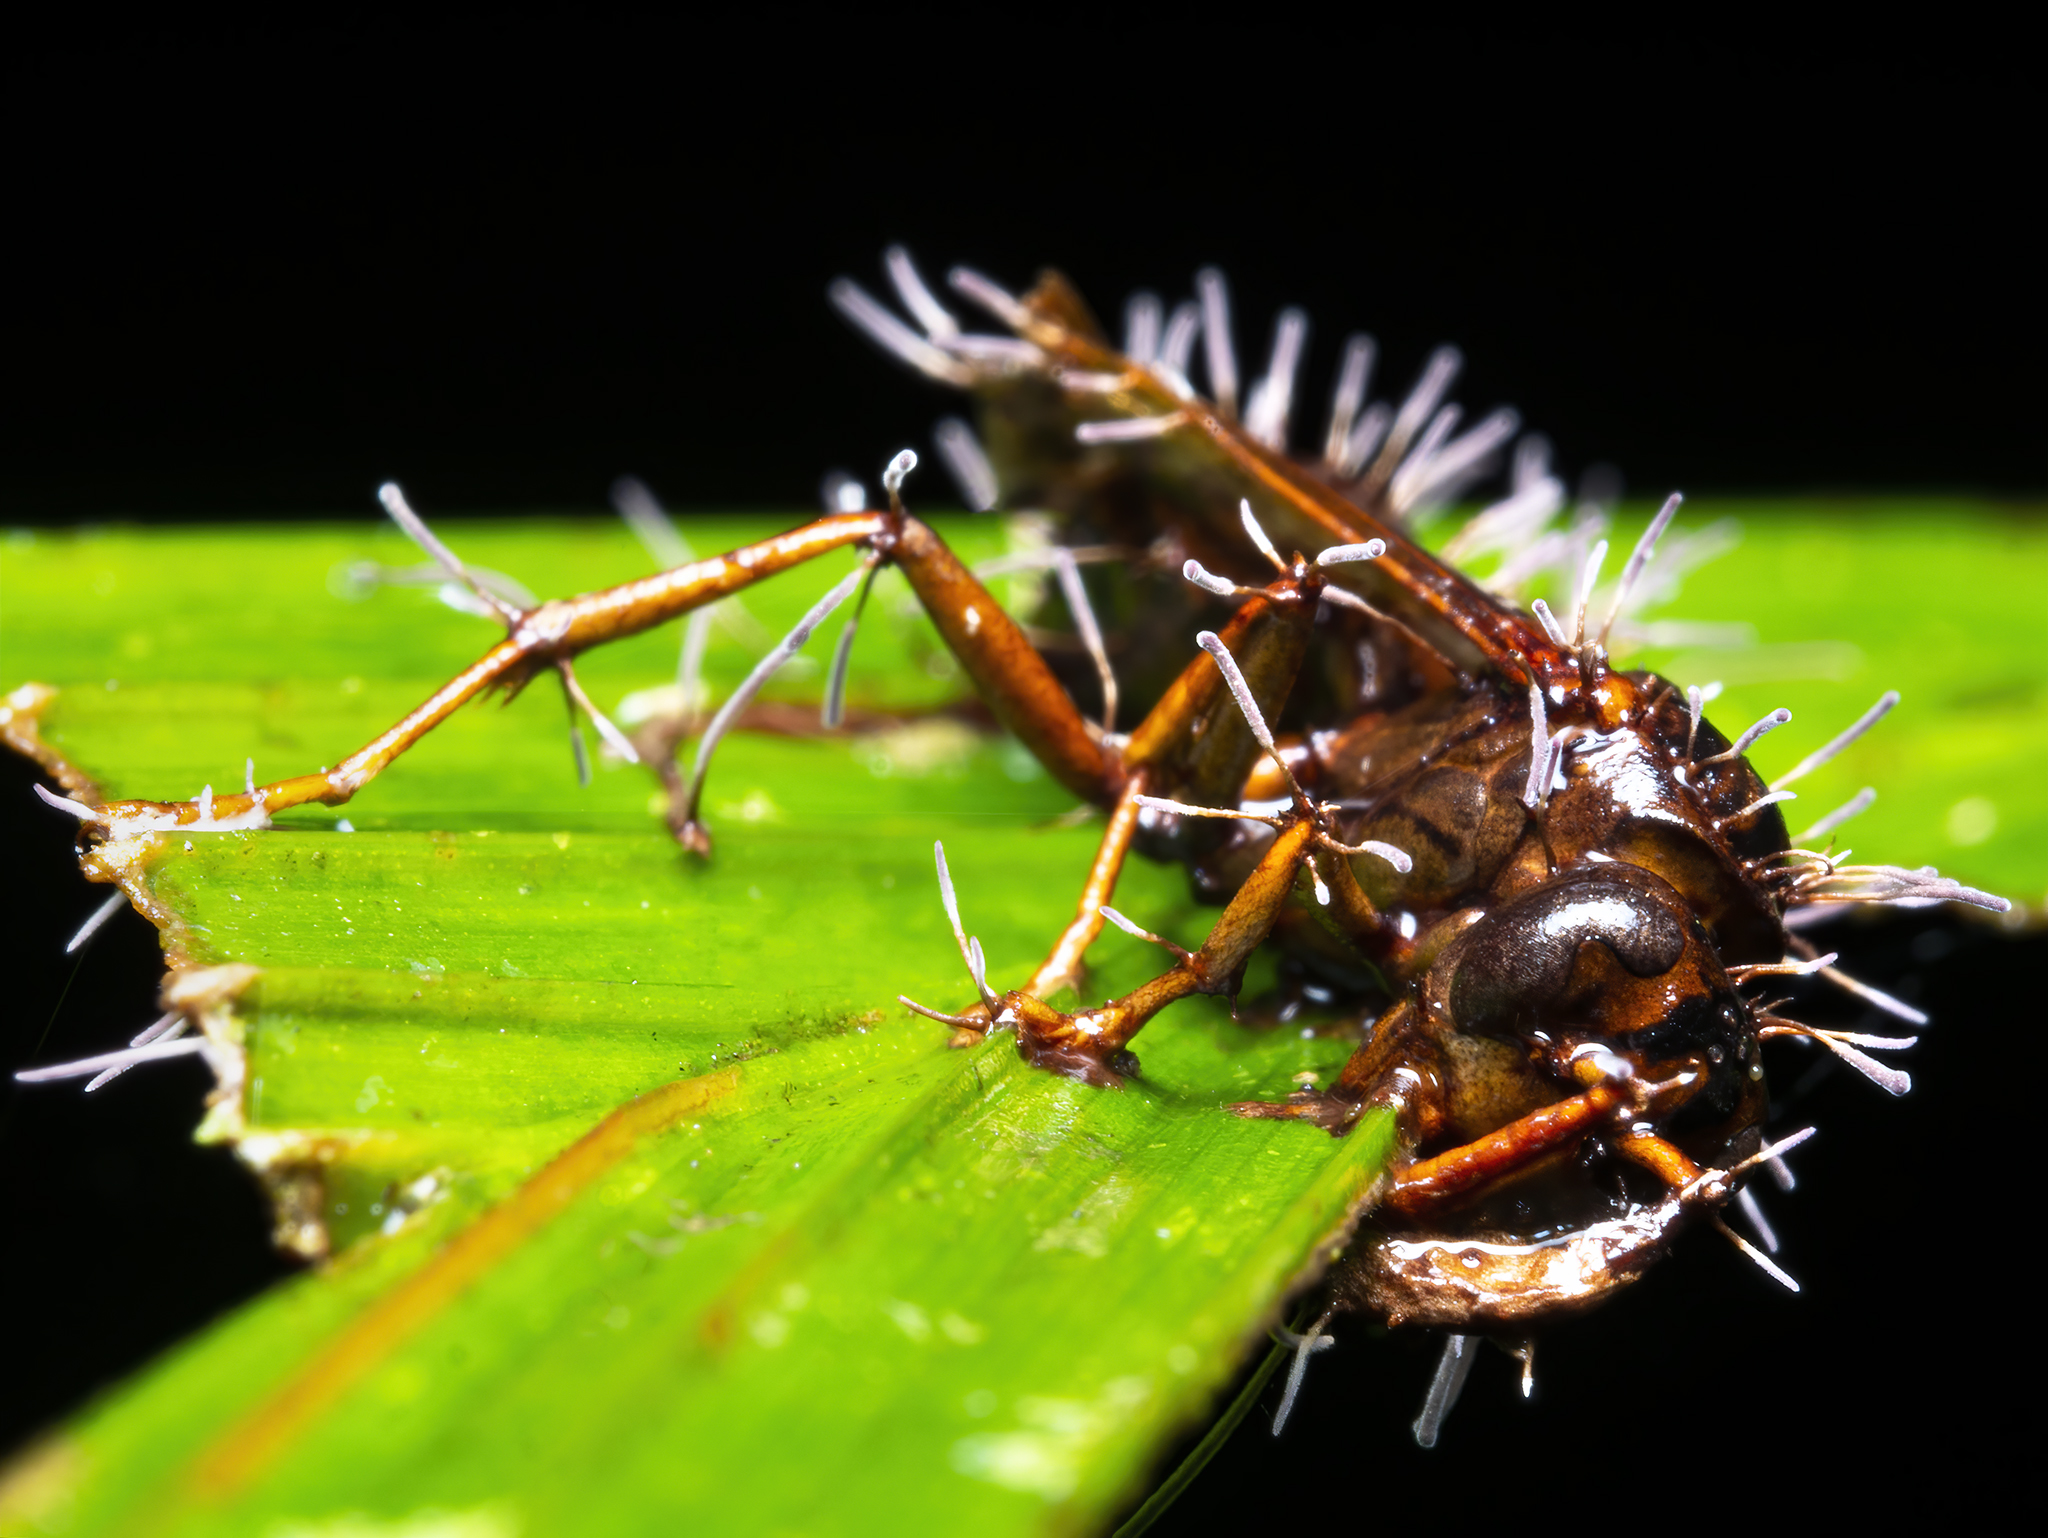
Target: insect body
point(1543, 884)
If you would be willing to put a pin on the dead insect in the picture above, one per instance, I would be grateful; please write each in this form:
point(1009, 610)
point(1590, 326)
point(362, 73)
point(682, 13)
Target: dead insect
point(1549, 886)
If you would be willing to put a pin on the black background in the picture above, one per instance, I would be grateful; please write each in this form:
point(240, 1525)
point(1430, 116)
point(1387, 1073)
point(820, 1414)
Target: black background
point(253, 273)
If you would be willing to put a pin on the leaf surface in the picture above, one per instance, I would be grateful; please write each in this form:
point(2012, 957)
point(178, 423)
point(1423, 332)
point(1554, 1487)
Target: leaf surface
point(645, 1198)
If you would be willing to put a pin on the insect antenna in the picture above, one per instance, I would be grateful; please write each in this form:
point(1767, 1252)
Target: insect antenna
point(1452, 1369)
point(969, 463)
point(1306, 1344)
point(1217, 350)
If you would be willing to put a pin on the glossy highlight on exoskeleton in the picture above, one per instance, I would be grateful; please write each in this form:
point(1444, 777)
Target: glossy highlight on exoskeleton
point(1545, 889)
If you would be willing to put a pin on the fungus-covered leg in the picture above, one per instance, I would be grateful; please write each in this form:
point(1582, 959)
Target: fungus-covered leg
point(1195, 743)
point(1012, 677)
point(1090, 1045)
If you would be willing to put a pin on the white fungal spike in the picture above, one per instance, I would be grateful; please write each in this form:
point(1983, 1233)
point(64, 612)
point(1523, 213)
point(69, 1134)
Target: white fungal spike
point(1762, 1261)
point(1753, 1212)
point(1695, 703)
point(205, 803)
point(1539, 748)
point(1760, 803)
point(1639, 558)
point(1864, 723)
point(166, 1027)
point(1129, 429)
point(1855, 806)
point(990, 295)
point(1451, 468)
point(969, 463)
point(1240, 691)
point(1177, 347)
point(899, 468)
point(1349, 396)
point(1421, 403)
point(833, 711)
point(1202, 577)
point(1875, 996)
point(919, 300)
point(1272, 398)
point(1338, 555)
point(417, 531)
point(128, 1057)
point(77, 809)
point(615, 739)
point(1136, 930)
point(891, 335)
point(1587, 578)
point(765, 669)
point(96, 921)
point(1398, 858)
point(841, 493)
point(1217, 348)
point(970, 949)
point(650, 524)
point(1305, 1346)
point(1076, 595)
point(248, 776)
point(1891, 884)
point(1184, 809)
point(1549, 622)
point(1142, 319)
point(1366, 436)
point(1769, 723)
point(1452, 1369)
point(1257, 533)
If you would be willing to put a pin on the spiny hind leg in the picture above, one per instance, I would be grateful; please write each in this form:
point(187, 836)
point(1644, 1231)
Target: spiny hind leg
point(1092, 1045)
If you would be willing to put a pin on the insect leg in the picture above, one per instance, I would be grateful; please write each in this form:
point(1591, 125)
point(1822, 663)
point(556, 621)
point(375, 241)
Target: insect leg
point(1089, 1044)
point(542, 638)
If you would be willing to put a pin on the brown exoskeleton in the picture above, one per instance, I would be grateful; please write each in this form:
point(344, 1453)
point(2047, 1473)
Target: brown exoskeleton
point(1545, 883)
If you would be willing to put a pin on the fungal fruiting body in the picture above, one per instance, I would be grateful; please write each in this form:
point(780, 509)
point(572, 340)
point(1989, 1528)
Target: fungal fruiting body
point(1548, 888)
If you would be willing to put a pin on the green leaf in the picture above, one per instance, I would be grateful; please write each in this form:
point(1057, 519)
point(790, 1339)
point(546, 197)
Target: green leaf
point(646, 1200)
